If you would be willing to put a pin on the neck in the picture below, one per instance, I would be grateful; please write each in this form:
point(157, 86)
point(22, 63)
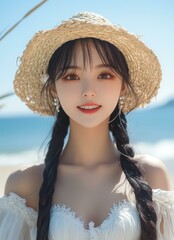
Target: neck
point(89, 147)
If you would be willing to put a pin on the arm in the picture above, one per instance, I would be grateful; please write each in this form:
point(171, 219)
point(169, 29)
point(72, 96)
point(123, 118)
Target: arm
point(26, 183)
point(17, 216)
point(155, 172)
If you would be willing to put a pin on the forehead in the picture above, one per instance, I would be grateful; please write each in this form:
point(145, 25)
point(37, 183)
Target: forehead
point(85, 53)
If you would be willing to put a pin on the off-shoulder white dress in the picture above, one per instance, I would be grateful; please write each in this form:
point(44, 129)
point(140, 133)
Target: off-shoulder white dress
point(18, 222)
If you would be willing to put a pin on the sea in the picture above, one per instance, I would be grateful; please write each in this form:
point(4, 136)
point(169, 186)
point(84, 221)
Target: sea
point(24, 139)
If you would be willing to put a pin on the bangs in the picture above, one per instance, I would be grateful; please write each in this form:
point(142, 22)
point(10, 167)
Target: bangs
point(67, 53)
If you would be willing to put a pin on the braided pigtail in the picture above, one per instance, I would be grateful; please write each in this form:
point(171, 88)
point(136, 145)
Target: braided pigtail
point(50, 173)
point(133, 173)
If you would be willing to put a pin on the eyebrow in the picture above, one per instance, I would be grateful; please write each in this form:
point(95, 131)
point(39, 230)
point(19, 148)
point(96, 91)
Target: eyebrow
point(103, 65)
point(73, 67)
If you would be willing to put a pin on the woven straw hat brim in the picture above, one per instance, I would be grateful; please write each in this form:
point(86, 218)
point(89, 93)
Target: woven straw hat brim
point(144, 67)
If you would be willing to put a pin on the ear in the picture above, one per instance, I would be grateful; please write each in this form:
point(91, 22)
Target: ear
point(53, 90)
point(123, 89)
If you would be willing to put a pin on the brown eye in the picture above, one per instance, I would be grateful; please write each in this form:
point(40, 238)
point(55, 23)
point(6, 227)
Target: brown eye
point(71, 77)
point(105, 76)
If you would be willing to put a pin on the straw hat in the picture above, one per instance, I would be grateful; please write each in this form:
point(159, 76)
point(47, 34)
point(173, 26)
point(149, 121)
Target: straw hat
point(144, 67)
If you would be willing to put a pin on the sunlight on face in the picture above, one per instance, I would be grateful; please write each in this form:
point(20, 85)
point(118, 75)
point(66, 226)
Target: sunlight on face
point(92, 82)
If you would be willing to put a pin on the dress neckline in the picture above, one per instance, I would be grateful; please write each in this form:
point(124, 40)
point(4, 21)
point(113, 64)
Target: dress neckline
point(64, 209)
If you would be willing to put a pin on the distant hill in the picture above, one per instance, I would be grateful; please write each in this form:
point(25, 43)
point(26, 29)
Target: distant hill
point(152, 124)
point(169, 104)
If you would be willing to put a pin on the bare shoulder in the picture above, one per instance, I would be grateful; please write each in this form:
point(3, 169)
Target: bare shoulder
point(26, 183)
point(155, 171)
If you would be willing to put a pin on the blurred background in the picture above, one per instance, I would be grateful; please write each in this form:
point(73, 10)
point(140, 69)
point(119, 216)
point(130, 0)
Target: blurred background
point(24, 135)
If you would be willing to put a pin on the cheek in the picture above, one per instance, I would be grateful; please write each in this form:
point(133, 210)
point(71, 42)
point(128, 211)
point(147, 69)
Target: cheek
point(66, 94)
point(112, 93)
point(112, 89)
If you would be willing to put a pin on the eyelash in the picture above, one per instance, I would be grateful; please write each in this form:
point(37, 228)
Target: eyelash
point(71, 75)
point(77, 78)
point(106, 74)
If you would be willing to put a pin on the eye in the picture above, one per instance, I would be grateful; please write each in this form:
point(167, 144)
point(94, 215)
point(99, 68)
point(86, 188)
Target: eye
point(105, 76)
point(71, 77)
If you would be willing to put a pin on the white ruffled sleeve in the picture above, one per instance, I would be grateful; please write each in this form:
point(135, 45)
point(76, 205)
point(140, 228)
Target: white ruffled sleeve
point(164, 206)
point(17, 221)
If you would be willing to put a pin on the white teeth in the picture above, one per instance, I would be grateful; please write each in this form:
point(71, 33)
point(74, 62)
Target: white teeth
point(89, 107)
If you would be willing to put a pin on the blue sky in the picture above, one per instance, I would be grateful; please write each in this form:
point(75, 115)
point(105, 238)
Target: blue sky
point(152, 20)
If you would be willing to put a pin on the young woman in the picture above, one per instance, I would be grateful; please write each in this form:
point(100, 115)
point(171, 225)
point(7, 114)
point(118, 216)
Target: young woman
point(89, 74)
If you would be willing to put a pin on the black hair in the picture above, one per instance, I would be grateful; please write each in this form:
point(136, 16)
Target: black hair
point(133, 173)
point(58, 65)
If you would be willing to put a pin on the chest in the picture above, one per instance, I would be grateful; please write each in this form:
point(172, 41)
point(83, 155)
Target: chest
point(89, 196)
point(122, 222)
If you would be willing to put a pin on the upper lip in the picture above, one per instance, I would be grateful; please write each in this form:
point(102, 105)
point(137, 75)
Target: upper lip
point(89, 104)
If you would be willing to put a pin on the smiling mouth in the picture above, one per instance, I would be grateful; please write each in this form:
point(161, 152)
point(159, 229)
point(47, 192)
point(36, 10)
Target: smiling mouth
point(89, 109)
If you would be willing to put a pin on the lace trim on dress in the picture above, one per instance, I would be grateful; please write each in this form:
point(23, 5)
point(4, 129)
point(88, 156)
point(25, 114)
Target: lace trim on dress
point(164, 206)
point(63, 209)
point(164, 198)
point(17, 204)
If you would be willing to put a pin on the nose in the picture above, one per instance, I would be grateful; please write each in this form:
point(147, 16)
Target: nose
point(88, 90)
point(89, 94)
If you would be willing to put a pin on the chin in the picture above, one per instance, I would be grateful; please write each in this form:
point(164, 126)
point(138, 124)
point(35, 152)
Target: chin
point(90, 124)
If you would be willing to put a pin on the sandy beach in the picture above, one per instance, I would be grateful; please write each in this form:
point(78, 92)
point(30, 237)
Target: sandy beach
point(6, 170)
